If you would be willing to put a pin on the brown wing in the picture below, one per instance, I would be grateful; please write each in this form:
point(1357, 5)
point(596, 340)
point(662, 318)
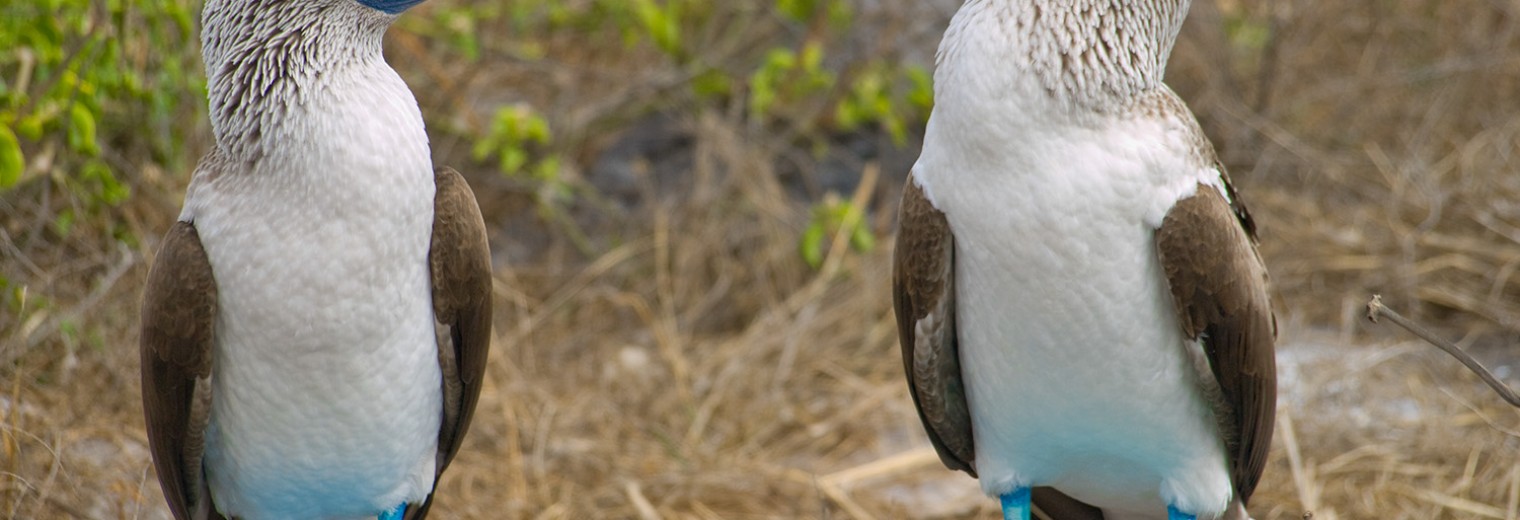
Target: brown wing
point(923, 296)
point(178, 325)
point(460, 258)
point(1219, 285)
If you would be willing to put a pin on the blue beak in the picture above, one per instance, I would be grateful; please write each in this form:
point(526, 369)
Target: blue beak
point(391, 6)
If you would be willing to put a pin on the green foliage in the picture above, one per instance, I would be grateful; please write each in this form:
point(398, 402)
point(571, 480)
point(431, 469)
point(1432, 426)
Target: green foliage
point(830, 217)
point(661, 23)
point(520, 140)
point(84, 82)
point(92, 92)
point(12, 160)
point(836, 12)
point(798, 76)
point(787, 76)
point(1246, 33)
point(786, 67)
point(873, 99)
point(461, 26)
point(1249, 32)
point(711, 85)
point(921, 90)
point(513, 130)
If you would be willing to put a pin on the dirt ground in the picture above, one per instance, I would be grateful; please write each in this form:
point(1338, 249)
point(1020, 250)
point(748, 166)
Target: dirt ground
point(678, 359)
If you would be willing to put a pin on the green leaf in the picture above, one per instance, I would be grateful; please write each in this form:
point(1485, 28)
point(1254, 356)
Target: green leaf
point(862, 239)
point(797, 10)
point(661, 24)
point(512, 160)
point(82, 130)
point(922, 94)
point(536, 129)
point(63, 223)
point(711, 84)
point(12, 161)
point(548, 169)
point(31, 126)
point(482, 149)
point(840, 15)
point(462, 29)
point(812, 56)
point(811, 247)
point(108, 188)
point(1247, 34)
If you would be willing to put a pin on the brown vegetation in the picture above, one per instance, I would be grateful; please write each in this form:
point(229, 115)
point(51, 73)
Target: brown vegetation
point(688, 364)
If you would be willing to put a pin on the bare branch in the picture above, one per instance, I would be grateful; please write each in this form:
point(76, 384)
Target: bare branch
point(1376, 309)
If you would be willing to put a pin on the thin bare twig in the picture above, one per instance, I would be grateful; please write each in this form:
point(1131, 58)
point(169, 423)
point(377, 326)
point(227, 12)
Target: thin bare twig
point(1376, 310)
point(640, 502)
point(97, 295)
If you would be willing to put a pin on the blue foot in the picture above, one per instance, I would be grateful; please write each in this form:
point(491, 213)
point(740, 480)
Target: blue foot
point(1016, 504)
point(1173, 514)
point(395, 512)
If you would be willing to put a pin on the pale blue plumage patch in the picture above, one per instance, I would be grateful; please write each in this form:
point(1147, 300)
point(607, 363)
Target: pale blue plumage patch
point(1016, 504)
point(1173, 514)
point(395, 512)
point(391, 6)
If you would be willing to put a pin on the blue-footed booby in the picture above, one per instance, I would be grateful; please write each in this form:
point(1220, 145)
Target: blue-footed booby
point(1084, 319)
point(315, 325)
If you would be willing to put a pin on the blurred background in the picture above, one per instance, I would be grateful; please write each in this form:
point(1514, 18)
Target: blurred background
point(692, 206)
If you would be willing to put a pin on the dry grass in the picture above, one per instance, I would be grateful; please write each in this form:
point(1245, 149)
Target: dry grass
point(693, 367)
point(1378, 142)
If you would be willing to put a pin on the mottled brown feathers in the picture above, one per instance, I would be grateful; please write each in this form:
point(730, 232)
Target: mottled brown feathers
point(460, 260)
point(178, 325)
point(923, 296)
point(1219, 286)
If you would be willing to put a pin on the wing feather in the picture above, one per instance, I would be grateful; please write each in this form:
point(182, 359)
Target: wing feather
point(923, 297)
point(460, 259)
point(178, 326)
point(1220, 287)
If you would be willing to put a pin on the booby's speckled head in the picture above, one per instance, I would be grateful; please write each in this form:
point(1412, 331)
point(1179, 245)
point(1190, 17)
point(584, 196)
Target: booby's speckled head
point(1096, 54)
point(391, 6)
point(265, 57)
